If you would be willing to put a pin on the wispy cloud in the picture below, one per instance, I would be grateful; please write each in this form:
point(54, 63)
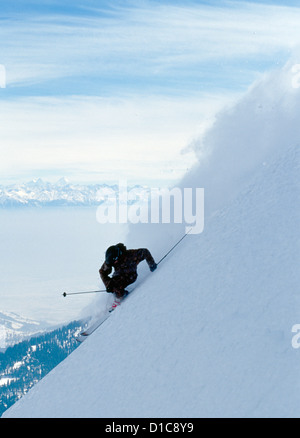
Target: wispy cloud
point(139, 81)
point(160, 41)
point(92, 133)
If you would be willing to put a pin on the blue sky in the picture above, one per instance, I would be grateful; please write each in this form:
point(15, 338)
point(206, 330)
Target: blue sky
point(103, 90)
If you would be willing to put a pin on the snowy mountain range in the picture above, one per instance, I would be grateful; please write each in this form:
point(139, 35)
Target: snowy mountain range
point(15, 328)
point(208, 334)
point(38, 192)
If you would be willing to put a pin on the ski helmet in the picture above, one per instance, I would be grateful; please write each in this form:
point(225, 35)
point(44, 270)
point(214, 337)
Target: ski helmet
point(114, 252)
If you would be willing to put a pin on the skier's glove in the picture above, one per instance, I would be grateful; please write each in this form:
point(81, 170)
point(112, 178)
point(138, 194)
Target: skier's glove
point(153, 267)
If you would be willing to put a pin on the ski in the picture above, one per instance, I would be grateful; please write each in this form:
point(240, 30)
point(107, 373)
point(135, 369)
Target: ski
point(83, 335)
point(87, 332)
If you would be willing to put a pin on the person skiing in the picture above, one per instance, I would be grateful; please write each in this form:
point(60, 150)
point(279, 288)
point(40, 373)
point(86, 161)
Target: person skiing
point(125, 262)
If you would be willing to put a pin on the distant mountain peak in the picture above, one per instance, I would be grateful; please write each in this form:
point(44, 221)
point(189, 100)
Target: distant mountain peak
point(36, 182)
point(62, 182)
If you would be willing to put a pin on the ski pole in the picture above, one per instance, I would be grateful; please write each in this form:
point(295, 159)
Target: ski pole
point(174, 246)
point(96, 291)
point(84, 292)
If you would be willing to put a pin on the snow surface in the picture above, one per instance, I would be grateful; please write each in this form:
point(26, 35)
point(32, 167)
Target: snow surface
point(209, 333)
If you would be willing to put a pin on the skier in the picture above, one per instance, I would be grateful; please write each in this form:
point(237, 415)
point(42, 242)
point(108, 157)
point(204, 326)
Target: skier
point(125, 262)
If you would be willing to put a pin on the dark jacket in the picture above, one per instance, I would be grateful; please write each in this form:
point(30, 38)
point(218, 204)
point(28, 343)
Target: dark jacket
point(125, 268)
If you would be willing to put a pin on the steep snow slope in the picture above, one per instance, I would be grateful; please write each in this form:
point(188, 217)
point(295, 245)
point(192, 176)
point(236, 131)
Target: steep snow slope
point(209, 333)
